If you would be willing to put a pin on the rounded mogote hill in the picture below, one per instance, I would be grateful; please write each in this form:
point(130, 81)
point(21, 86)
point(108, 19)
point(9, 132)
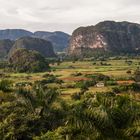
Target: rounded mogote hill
point(42, 46)
point(23, 60)
point(105, 37)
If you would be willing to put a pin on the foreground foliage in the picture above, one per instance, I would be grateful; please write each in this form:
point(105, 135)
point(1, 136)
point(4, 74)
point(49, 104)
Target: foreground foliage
point(40, 114)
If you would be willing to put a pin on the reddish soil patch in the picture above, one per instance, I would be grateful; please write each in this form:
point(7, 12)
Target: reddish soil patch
point(75, 79)
point(125, 82)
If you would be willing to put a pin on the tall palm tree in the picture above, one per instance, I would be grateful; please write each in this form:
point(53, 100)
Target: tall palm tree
point(43, 103)
point(103, 117)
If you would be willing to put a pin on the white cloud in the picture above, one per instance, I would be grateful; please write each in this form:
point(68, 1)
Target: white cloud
point(65, 15)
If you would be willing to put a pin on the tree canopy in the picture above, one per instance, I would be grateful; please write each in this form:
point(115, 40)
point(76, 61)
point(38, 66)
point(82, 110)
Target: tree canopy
point(23, 60)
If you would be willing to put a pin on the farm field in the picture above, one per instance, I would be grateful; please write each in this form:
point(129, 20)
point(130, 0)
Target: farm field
point(67, 71)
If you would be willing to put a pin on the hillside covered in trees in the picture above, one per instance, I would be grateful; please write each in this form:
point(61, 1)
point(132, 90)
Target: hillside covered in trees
point(5, 46)
point(42, 46)
point(23, 60)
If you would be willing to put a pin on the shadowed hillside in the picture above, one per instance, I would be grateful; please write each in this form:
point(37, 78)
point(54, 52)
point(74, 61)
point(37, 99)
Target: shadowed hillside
point(5, 46)
point(40, 45)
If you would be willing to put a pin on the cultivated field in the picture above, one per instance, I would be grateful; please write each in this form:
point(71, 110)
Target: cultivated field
point(68, 72)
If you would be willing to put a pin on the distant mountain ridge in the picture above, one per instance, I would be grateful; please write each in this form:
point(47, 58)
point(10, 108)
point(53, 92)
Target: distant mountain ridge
point(42, 46)
point(106, 37)
point(14, 34)
point(8, 47)
point(59, 39)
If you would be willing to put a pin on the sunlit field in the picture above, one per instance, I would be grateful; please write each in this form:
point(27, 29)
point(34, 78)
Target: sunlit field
point(116, 69)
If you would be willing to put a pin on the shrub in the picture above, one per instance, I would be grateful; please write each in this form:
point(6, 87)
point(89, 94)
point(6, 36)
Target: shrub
point(76, 96)
point(5, 85)
point(134, 87)
point(47, 75)
point(98, 77)
point(137, 75)
point(50, 79)
point(84, 84)
point(123, 88)
point(76, 74)
point(110, 83)
point(129, 72)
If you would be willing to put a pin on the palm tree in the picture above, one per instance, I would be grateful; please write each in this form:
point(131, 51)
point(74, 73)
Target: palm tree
point(43, 103)
point(103, 117)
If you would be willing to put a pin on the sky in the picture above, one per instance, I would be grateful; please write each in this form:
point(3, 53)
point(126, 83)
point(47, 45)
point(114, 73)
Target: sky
point(64, 15)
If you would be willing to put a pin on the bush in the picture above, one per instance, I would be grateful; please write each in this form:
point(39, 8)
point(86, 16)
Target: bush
point(76, 96)
point(129, 72)
point(76, 74)
point(123, 88)
point(134, 87)
point(50, 79)
point(137, 75)
point(98, 77)
point(5, 85)
point(110, 83)
point(85, 84)
point(47, 75)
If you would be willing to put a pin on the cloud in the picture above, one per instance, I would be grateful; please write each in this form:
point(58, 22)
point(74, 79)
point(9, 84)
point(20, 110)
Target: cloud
point(65, 15)
point(131, 2)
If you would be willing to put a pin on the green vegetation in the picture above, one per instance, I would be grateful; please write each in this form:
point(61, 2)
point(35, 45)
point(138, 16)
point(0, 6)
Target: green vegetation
point(42, 46)
point(73, 101)
point(5, 85)
point(24, 60)
point(45, 116)
point(5, 46)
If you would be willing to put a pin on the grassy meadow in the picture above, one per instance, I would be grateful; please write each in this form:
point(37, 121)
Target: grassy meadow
point(66, 71)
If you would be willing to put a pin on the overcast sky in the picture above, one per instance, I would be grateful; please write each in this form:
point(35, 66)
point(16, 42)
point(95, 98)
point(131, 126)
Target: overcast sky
point(65, 15)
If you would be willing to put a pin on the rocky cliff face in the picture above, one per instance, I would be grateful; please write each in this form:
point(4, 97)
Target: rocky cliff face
point(40, 45)
point(106, 37)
